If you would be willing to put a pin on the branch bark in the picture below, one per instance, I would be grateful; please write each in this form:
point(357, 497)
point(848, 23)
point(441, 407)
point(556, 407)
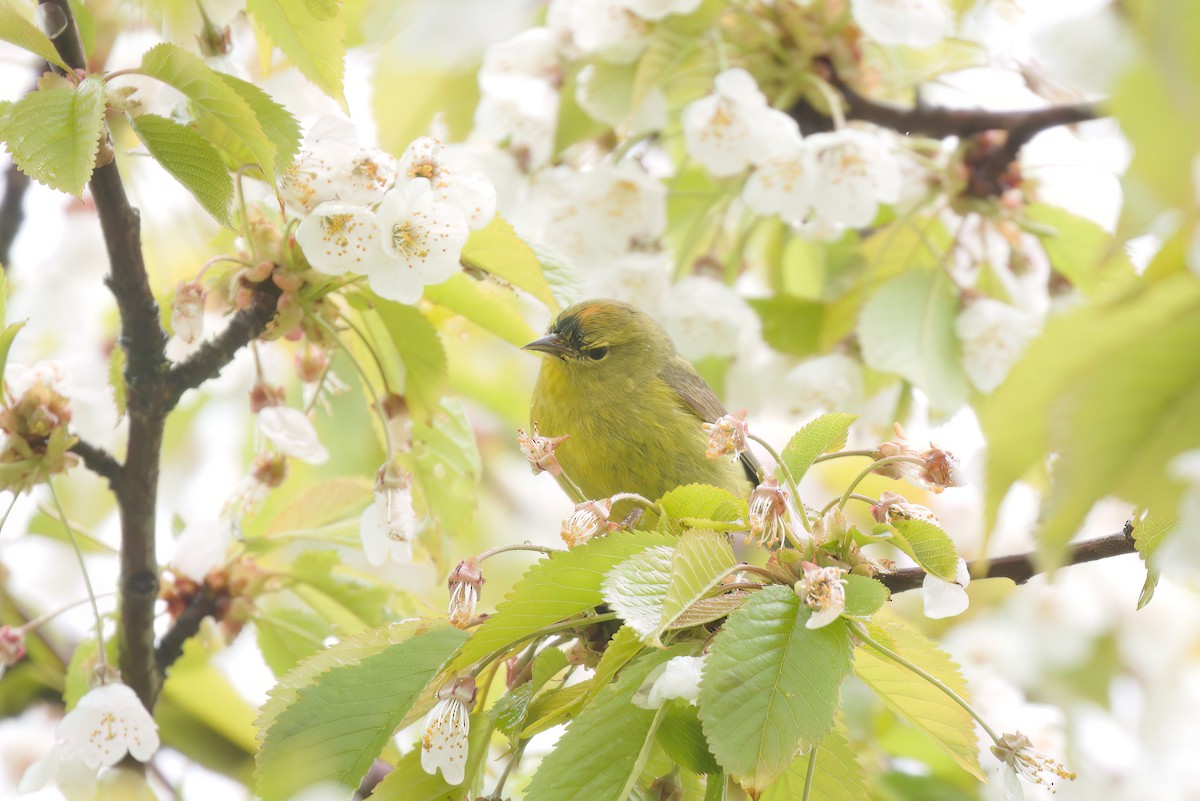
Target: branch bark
point(12, 210)
point(1022, 567)
point(170, 647)
point(97, 459)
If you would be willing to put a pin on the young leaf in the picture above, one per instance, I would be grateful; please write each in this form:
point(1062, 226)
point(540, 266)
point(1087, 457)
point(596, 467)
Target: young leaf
point(603, 750)
point(790, 324)
point(285, 636)
point(325, 502)
point(826, 434)
point(770, 686)
point(16, 29)
point(498, 250)
point(635, 589)
point(277, 122)
point(928, 546)
point(312, 35)
point(1082, 251)
point(682, 737)
point(1148, 534)
point(483, 303)
point(701, 560)
point(447, 464)
point(53, 134)
point(316, 569)
point(864, 596)
point(907, 328)
point(916, 700)
point(701, 502)
point(216, 102)
point(333, 730)
point(555, 588)
point(191, 160)
point(837, 777)
point(421, 350)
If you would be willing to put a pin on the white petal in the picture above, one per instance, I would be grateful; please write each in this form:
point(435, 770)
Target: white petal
point(201, 548)
point(372, 531)
point(444, 743)
point(292, 433)
point(474, 195)
point(1013, 791)
point(423, 235)
point(912, 23)
point(946, 598)
point(384, 539)
point(781, 185)
point(338, 238)
point(824, 617)
point(680, 679)
point(106, 723)
point(993, 335)
point(657, 9)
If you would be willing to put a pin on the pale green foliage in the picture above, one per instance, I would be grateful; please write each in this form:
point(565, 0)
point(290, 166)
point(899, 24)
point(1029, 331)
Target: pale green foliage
point(636, 588)
point(498, 250)
point(53, 134)
point(17, 29)
point(928, 545)
point(312, 36)
point(705, 506)
point(700, 561)
point(837, 777)
point(190, 159)
point(825, 434)
point(864, 596)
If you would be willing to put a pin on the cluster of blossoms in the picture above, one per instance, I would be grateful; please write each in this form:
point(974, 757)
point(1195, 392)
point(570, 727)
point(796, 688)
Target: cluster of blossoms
point(402, 223)
point(34, 417)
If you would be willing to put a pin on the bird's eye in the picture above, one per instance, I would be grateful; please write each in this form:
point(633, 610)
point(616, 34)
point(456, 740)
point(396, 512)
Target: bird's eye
point(597, 353)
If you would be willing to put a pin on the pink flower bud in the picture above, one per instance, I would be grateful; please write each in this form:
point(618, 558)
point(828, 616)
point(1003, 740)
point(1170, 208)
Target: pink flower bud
point(465, 583)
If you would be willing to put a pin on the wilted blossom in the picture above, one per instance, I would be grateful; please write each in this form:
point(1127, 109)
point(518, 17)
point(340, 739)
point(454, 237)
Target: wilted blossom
point(735, 127)
point(893, 506)
point(768, 508)
point(947, 598)
point(935, 469)
point(727, 435)
point(993, 335)
point(12, 647)
point(387, 527)
point(187, 312)
point(444, 740)
point(678, 679)
point(34, 417)
point(465, 583)
point(822, 590)
point(268, 471)
point(1020, 760)
point(539, 451)
point(911, 23)
point(589, 519)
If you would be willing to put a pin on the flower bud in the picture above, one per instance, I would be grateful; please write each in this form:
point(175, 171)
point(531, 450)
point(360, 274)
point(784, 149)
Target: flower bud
point(187, 311)
point(727, 435)
point(465, 583)
point(12, 646)
point(539, 451)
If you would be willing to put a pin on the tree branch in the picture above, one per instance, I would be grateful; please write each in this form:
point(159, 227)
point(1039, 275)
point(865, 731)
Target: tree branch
point(1022, 567)
point(170, 647)
point(97, 459)
point(12, 210)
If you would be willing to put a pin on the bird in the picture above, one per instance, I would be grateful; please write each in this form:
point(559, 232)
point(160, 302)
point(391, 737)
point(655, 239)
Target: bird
point(632, 408)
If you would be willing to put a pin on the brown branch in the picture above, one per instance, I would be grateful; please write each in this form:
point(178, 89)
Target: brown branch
point(12, 210)
point(97, 459)
point(170, 647)
point(1022, 567)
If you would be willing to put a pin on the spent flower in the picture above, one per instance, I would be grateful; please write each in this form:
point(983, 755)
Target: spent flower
point(12, 647)
point(1020, 760)
point(767, 512)
point(465, 584)
point(539, 451)
point(727, 435)
point(387, 527)
point(822, 590)
point(187, 312)
point(893, 506)
point(589, 519)
point(934, 469)
point(444, 740)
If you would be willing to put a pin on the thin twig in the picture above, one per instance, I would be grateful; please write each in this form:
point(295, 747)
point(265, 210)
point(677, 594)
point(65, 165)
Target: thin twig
point(97, 459)
point(12, 210)
point(170, 647)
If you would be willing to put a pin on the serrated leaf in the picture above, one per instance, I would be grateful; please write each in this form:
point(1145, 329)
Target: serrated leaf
point(483, 303)
point(214, 100)
point(421, 351)
point(825, 434)
point(770, 685)
point(1149, 532)
point(311, 34)
point(838, 776)
point(704, 502)
point(907, 328)
point(280, 127)
point(555, 588)
point(497, 249)
point(53, 134)
point(116, 379)
point(1081, 250)
point(682, 737)
point(602, 751)
point(193, 683)
point(546, 665)
point(335, 728)
point(915, 699)
point(191, 160)
point(286, 636)
point(635, 589)
point(16, 29)
point(700, 561)
point(447, 465)
point(928, 546)
point(323, 503)
point(864, 596)
point(707, 610)
point(510, 711)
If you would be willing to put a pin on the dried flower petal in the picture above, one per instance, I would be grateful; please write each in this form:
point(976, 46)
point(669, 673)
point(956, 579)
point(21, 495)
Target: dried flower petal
point(539, 451)
point(822, 590)
point(727, 435)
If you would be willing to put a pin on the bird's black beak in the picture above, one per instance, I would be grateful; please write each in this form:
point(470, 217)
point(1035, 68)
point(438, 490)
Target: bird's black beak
point(551, 343)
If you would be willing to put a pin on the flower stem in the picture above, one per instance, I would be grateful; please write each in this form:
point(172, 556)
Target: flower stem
point(871, 468)
point(508, 769)
point(861, 632)
point(46, 617)
point(825, 457)
point(87, 580)
point(523, 546)
point(573, 623)
point(812, 771)
point(645, 503)
point(791, 483)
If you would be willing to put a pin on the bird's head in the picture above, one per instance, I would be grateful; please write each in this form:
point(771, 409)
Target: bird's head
point(604, 337)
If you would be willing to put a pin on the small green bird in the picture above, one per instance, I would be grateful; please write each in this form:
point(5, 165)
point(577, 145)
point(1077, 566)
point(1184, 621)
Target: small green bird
point(633, 408)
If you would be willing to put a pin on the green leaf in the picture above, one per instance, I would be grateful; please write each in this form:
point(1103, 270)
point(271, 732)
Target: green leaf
point(16, 29)
point(864, 596)
point(485, 304)
point(498, 250)
point(602, 752)
point(7, 336)
point(928, 546)
point(546, 665)
point(555, 588)
point(510, 712)
point(682, 737)
point(410, 782)
point(365, 601)
point(1081, 250)
point(217, 103)
point(700, 561)
point(706, 610)
point(677, 61)
point(837, 777)
point(421, 351)
point(280, 127)
point(1024, 410)
point(826, 434)
point(635, 589)
point(447, 465)
point(916, 700)
point(191, 160)
point(323, 503)
point(53, 134)
point(339, 723)
point(311, 34)
point(789, 324)
point(1148, 534)
point(770, 686)
point(907, 328)
point(196, 685)
point(699, 503)
point(285, 636)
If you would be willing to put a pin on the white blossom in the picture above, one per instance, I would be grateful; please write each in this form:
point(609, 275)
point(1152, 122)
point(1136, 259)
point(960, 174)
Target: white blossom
point(292, 433)
point(469, 190)
point(823, 590)
point(705, 317)
point(825, 383)
point(337, 238)
point(52, 375)
point(853, 172)
point(108, 722)
point(727, 435)
point(333, 167)
point(521, 113)
point(657, 9)
point(946, 598)
point(678, 679)
point(911, 23)
point(588, 519)
point(734, 127)
point(782, 185)
point(604, 28)
point(1020, 760)
point(387, 527)
point(993, 336)
point(642, 278)
point(201, 547)
point(444, 741)
point(534, 52)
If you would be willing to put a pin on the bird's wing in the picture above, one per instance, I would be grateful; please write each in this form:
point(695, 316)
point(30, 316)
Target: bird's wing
point(699, 397)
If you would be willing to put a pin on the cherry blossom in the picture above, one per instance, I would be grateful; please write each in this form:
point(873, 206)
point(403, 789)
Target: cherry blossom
point(946, 598)
point(825, 383)
point(424, 237)
point(734, 127)
point(727, 435)
point(387, 527)
point(822, 590)
point(589, 519)
point(1020, 760)
point(469, 190)
point(993, 336)
point(853, 172)
point(187, 312)
point(444, 740)
point(767, 510)
point(782, 184)
point(677, 680)
point(539, 451)
point(292, 433)
point(911, 23)
point(657, 9)
point(201, 548)
point(604, 28)
point(108, 722)
point(465, 584)
point(333, 167)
